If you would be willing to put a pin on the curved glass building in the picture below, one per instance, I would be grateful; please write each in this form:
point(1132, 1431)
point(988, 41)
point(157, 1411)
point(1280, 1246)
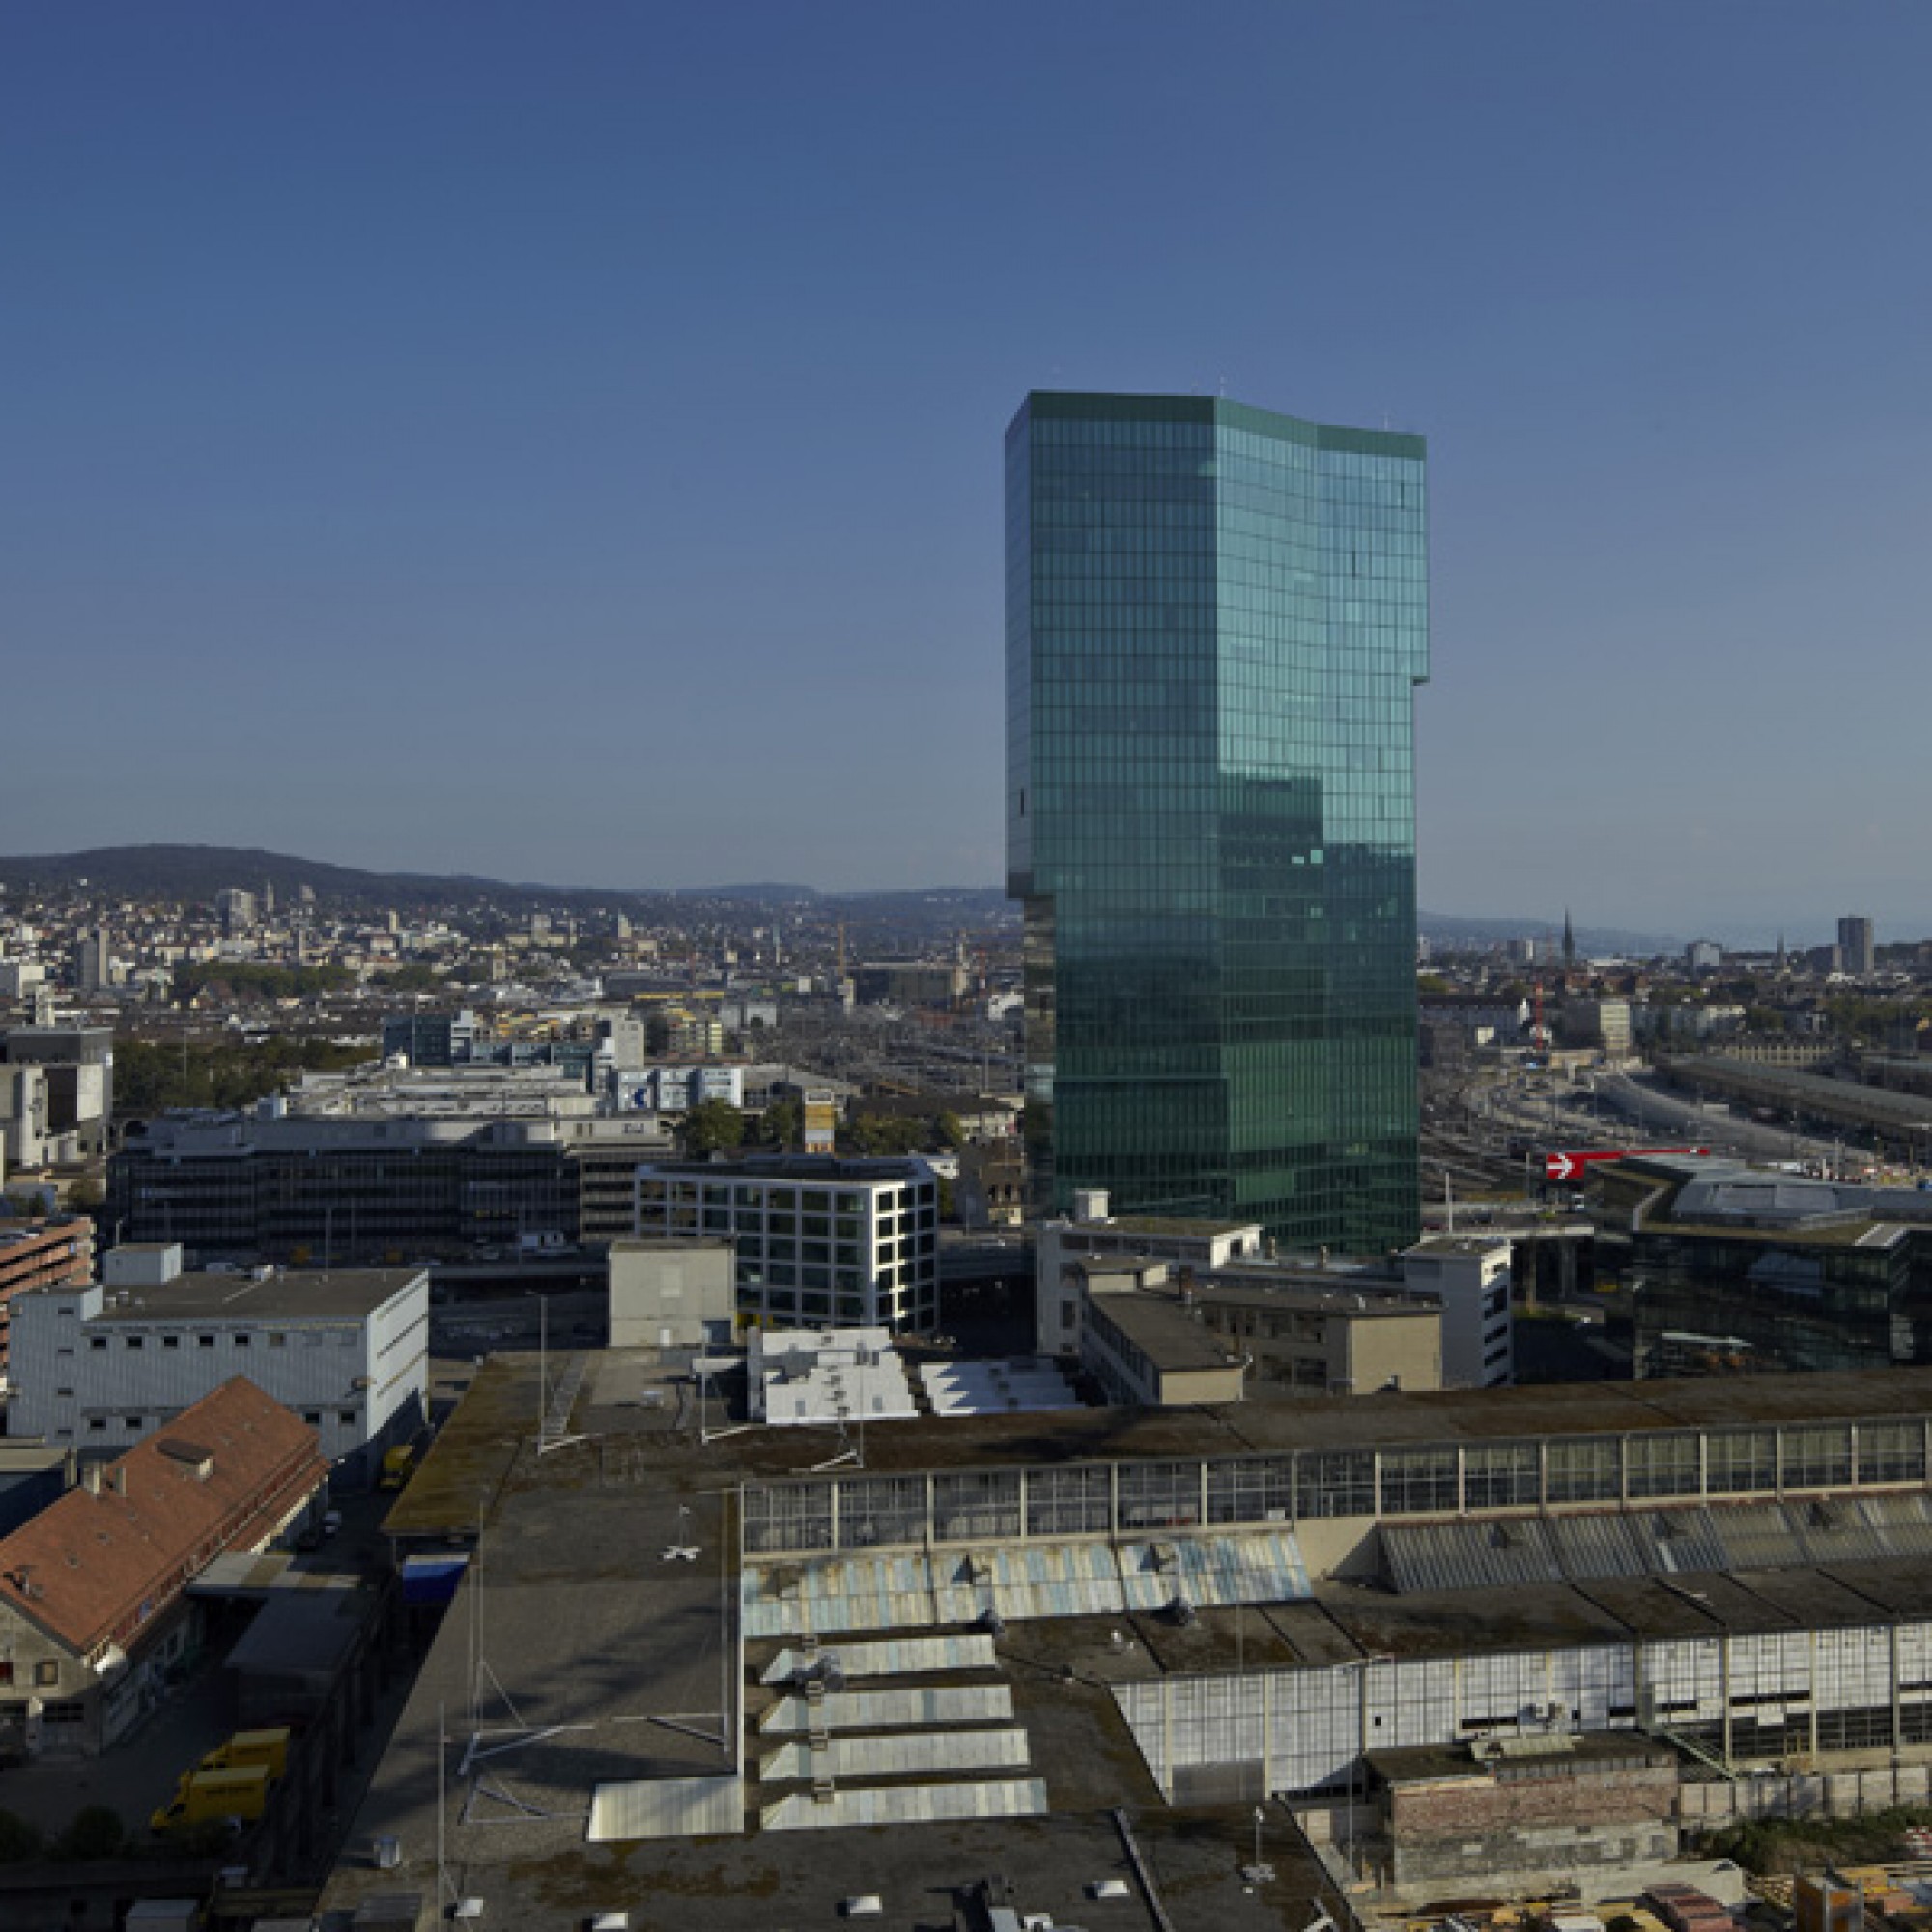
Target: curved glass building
point(1215, 621)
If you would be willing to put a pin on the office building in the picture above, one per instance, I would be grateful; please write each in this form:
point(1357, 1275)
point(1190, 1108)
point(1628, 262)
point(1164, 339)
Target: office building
point(76, 1065)
point(1435, 1316)
point(1858, 947)
point(1733, 1268)
point(821, 1242)
point(92, 962)
point(40, 1254)
point(235, 906)
point(1215, 621)
point(98, 1368)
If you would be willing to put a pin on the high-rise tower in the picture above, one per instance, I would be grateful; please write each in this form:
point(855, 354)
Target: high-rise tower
point(1215, 621)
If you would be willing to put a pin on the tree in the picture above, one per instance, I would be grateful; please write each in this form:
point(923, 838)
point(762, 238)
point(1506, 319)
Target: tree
point(709, 1125)
point(781, 1125)
point(948, 1130)
point(93, 1832)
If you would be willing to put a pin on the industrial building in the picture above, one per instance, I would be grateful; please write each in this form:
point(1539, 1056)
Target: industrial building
point(820, 1241)
point(96, 1368)
point(1899, 1122)
point(1579, 1622)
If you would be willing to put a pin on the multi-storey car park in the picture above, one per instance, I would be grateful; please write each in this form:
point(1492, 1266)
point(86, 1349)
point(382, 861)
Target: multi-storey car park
point(997, 1629)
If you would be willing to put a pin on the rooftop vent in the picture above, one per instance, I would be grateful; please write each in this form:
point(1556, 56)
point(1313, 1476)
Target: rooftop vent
point(193, 1459)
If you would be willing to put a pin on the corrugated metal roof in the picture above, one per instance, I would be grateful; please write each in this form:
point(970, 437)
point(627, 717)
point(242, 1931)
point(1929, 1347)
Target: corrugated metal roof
point(1470, 1555)
point(1836, 1529)
point(1756, 1536)
point(1599, 1543)
point(894, 1709)
point(902, 1753)
point(910, 1804)
point(1680, 1541)
point(666, 1808)
point(894, 1657)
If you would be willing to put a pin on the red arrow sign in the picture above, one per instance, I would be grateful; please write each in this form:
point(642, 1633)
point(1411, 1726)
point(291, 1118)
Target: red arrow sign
point(1569, 1166)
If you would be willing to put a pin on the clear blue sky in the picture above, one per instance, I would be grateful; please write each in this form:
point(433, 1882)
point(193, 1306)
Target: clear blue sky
point(562, 441)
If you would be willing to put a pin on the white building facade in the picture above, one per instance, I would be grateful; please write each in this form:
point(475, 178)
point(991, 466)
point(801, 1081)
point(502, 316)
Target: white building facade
point(821, 1243)
point(1470, 1273)
point(98, 1369)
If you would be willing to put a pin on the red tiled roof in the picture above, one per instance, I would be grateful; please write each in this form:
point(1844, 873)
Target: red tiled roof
point(92, 1569)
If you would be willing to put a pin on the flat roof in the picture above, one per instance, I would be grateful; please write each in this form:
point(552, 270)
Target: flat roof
point(1174, 1341)
point(1205, 1229)
point(645, 1403)
point(1428, 1764)
point(311, 1293)
point(1333, 1295)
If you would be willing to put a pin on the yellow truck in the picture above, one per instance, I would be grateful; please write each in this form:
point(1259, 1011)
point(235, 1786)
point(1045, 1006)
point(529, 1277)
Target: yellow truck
point(270, 1749)
point(207, 1796)
point(399, 1465)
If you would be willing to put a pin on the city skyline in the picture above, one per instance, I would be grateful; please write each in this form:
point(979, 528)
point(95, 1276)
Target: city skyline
point(445, 428)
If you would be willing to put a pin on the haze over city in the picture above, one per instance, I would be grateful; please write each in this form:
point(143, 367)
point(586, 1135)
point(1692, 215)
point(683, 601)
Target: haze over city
point(564, 443)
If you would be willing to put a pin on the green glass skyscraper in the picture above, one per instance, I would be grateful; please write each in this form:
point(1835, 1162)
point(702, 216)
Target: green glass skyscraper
point(1215, 621)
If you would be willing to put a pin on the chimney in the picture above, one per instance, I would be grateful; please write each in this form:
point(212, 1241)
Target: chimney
point(118, 1476)
point(90, 1474)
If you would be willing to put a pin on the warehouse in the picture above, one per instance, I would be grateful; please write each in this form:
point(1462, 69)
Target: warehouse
point(96, 1368)
point(1006, 1620)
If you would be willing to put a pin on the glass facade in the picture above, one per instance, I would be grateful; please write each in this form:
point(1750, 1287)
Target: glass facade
point(1215, 621)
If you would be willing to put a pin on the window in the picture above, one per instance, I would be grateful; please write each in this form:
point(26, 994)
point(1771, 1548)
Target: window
point(276, 1338)
point(96, 1425)
point(137, 1341)
point(96, 1341)
point(6, 1670)
point(242, 1340)
point(171, 1341)
point(204, 1341)
point(313, 1417)
point(346, 1416)
point(46, 1671)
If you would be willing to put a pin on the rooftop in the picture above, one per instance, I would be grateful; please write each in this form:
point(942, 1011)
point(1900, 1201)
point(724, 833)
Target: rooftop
point(308, 1294)
point(224, 1474)
point(1157, 1323)
point(639, 1405)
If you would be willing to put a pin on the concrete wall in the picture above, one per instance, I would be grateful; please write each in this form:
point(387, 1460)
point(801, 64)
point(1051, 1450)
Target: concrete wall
point(1836, 1794)
point(664, 1293)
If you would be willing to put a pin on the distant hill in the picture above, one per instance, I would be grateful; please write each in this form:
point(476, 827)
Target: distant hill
point(192, 875)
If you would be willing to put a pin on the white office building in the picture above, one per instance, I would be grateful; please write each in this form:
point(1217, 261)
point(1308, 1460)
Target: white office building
point(1471, 1274)
point(820, 1244)
point(98, 1368)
